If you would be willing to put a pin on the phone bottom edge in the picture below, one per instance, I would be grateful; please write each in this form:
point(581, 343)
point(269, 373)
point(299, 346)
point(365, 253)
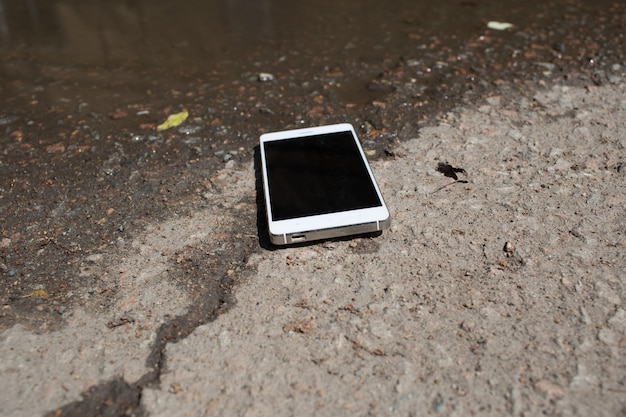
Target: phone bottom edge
point(322, 234)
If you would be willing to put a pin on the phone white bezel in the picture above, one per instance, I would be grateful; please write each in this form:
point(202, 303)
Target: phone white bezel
point(322, 226)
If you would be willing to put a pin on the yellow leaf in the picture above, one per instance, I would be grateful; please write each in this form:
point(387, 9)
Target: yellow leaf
point(173, 120)
point(40, 294)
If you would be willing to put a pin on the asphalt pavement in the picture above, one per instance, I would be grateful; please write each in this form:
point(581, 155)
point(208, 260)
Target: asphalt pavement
point(137, 277)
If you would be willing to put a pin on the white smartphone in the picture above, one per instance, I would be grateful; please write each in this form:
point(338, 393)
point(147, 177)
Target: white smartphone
point(318, 185)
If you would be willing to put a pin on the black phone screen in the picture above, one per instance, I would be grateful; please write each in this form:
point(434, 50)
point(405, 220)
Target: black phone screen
point(318, 174)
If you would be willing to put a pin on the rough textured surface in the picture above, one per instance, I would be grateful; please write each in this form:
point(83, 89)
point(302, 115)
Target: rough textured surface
point(499, 296)
point(501, 293)
point(114, 340)
point(135, 275)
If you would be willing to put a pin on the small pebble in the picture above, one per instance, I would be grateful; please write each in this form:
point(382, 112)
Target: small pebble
point(499, 25)
point(119, 115)
point(549, 390)
point(95, 258)
point(584, 316)
point(514, 134)
point(547, 65)
point(189, 130)
point(8, 120)
point(509, 248)
point(265, 77)
point(11, 273)
point(576, 232)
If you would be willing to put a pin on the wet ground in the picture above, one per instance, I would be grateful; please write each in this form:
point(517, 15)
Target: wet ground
point(84, 85)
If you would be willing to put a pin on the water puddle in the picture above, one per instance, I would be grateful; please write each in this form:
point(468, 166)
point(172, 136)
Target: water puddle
point(162, 34)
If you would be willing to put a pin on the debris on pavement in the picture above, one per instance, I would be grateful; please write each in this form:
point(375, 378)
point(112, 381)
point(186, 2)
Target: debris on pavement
point(173, 120)
point(265, 77)
point(495, 25)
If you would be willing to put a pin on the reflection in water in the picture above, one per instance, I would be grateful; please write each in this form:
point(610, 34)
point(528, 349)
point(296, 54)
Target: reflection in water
point(165, 32)
point(16, 16)
point(170, 34)
point(150, 32)
point(4, 29)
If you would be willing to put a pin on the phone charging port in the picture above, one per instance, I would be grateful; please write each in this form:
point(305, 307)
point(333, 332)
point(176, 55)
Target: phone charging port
point(298, 238)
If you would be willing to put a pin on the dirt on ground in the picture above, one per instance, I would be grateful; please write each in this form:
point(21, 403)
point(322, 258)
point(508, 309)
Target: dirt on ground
point(137, 278)
point(498, 290)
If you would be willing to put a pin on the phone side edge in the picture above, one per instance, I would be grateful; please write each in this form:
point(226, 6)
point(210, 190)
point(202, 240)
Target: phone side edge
point(266, 190)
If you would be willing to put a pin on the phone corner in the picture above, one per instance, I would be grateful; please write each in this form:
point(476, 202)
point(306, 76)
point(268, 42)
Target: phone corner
point(384, 224)
point(277, 239)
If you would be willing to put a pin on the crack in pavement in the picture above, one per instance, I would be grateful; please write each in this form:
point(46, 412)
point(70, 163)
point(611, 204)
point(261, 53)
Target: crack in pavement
point(205, 266)
point(119, 398)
